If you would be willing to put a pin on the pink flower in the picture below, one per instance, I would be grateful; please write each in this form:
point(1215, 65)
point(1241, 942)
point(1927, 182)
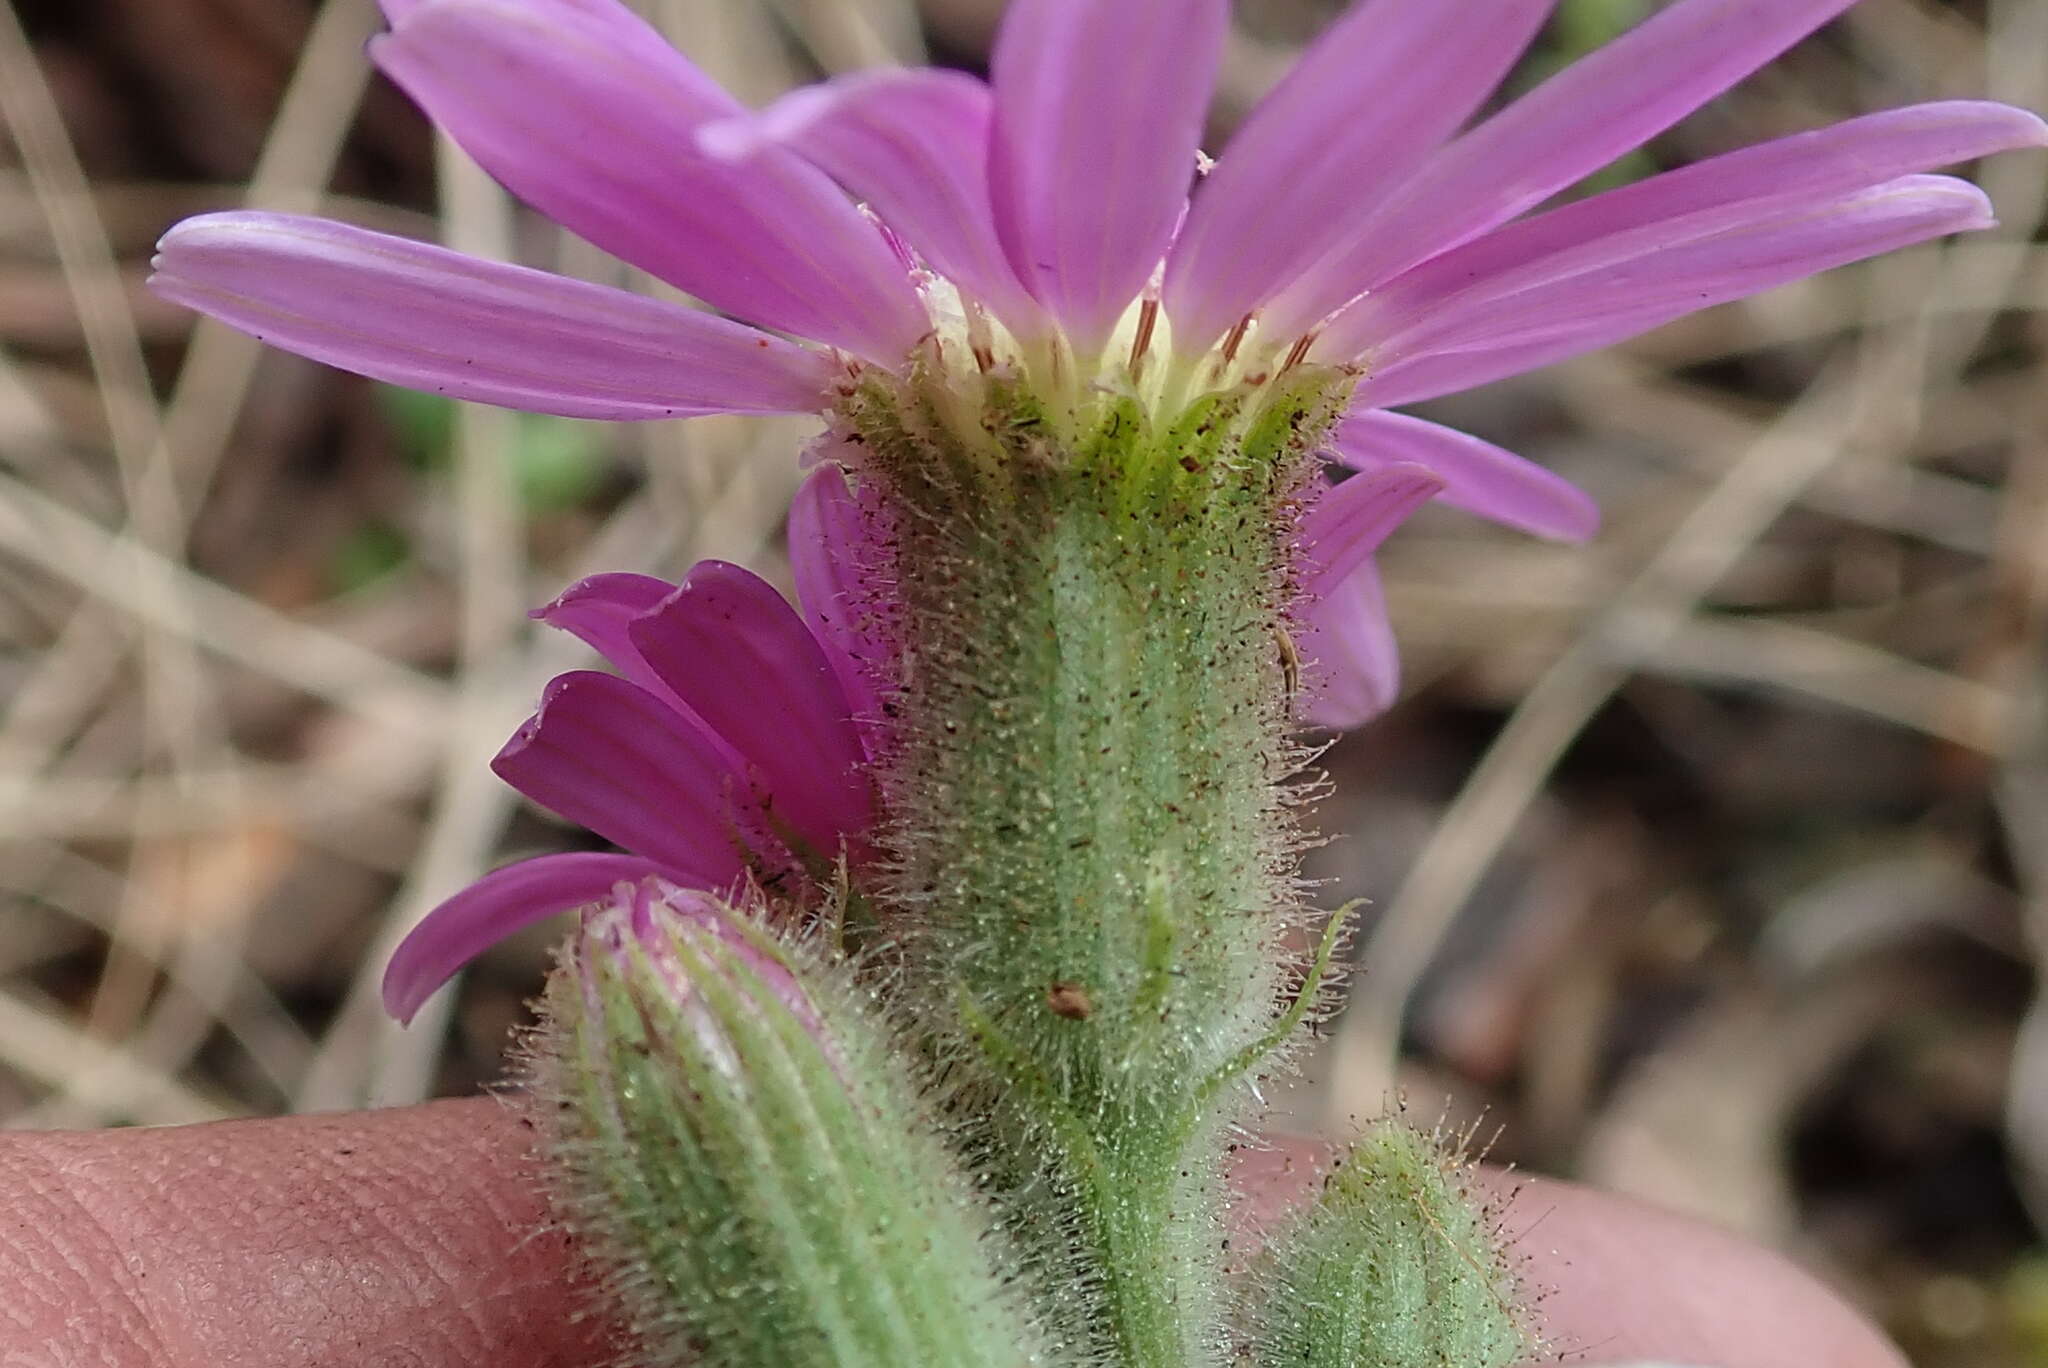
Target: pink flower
point(733, 743)
point(1349, 221)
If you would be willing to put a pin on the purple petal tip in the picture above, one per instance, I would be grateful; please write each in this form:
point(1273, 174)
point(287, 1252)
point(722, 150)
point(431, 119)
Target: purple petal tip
point(2029, 128)
point(784, 122)
point(734, 139)
point(500, 903)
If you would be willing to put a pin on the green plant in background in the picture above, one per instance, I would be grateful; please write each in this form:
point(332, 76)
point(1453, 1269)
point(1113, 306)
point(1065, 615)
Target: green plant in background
point(1581, 26)
point(556, 463)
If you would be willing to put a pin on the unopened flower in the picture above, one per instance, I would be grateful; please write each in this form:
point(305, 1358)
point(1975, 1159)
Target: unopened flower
point(732, 745)
point(1038, 228)
point(753, 1172)
point(638, 934)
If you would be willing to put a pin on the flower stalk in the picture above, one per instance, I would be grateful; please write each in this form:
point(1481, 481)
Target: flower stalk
point(1093, 867)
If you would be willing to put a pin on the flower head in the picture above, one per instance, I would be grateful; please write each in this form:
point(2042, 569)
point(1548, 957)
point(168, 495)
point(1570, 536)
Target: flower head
point(1038, 228)
point(645, 935)
point(732, 746)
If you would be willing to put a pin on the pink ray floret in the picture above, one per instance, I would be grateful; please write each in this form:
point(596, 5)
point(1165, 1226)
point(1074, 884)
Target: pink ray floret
point(1355, 672)
point(726, 749)
point(1358, 218)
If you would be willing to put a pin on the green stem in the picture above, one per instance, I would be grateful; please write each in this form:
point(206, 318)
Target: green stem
point(1151, 1223)
point(1094, 857)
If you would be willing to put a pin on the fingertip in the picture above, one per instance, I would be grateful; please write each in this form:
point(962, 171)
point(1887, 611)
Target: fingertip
point(1620, 1280)
point(415, 1235)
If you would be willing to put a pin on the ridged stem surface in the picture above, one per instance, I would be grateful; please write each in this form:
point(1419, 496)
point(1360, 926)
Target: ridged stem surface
point(1095, 859)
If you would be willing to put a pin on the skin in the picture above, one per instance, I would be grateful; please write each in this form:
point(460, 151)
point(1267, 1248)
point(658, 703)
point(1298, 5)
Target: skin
point(406, 1239)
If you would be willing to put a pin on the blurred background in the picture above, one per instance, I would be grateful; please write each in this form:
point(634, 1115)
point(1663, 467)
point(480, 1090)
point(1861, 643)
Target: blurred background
point(1708, 863)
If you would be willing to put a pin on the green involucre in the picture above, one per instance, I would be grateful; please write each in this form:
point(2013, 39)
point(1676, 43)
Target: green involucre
point(759, 1189)
point(1095, 870)
point(1087, 800)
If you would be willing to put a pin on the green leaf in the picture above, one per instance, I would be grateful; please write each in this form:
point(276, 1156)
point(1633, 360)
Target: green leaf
point(1583, 25)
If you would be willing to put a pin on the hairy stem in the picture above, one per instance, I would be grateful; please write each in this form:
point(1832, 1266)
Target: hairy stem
point(1093, 845)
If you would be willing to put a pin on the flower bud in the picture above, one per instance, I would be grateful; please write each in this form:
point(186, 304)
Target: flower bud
point(749, 1162)
point(1393, 1266)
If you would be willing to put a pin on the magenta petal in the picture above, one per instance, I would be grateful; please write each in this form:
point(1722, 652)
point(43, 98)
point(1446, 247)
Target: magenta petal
point(1353, 671)
point(1773, 180)
point(500, 903)
point(588, 116)
point(1375, 95)
point(599, 610)
point(612, 12)
point(914, 146)
point(1600, 307)
point(1099, 110)
point(1613, 100)
point(1478, 476)
point(428, 318)
point(1349, 522)
point(829, 556)
point(735, 651)
point(1433, 376)
point(606, 754)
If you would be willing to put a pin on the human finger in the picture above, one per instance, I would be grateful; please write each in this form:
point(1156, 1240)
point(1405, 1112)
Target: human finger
point(416, 1236)
point(411, 1237)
